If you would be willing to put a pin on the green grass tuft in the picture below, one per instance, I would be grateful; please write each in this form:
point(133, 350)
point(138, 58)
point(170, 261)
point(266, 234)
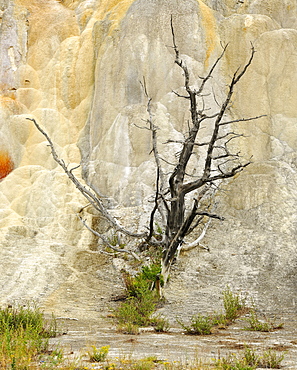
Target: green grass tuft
point(142, 298)
point(24, 334)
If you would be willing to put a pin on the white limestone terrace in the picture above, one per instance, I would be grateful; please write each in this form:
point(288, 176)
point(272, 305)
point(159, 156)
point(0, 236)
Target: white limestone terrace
point(75, 67)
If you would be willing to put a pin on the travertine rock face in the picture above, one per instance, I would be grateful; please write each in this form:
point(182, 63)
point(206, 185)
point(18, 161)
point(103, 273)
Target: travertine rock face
point(75, 67)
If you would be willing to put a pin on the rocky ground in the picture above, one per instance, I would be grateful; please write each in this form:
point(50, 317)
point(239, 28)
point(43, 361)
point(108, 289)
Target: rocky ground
point(84, 316)
point(79, 334)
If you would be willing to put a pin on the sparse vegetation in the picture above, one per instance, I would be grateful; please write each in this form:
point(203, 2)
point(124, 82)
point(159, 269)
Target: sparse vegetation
point(161, 324)
point(98, 354)
point(266, 325)
point(24, 334)
point(219, 320)
point(128, 328)
point(137, 310)
point(271, 359)
point(250, 360)
point(23, 347)
point(144, 281)
point(200, 325)
point(152, 362)
point(148, 363)
point(142, 298)
point(234, 305)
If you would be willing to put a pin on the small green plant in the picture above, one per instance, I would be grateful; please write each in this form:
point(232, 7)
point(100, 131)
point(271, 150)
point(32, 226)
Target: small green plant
point(141, 299)
point(136, 311)
point(161, 324)
point(219, 320)
point(98, 354)
point(144, 364)
point(234, 305)
point(128, 328)
point(271, 359)
point(200, 325)
point(144, 281)
point(249, 359)
point(230, 363)
point(257, 325)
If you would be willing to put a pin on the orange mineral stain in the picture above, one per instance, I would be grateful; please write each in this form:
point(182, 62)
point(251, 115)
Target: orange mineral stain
point(210, 29)
point(6, 164)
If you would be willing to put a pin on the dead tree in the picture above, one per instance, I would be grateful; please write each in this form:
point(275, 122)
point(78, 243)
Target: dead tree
point(181, 201)
point(219, 163)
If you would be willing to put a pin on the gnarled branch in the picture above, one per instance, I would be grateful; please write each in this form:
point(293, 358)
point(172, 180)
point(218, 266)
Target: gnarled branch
point(91, 197)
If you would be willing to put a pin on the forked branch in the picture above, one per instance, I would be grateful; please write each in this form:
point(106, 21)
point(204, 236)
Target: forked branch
point(88, 194)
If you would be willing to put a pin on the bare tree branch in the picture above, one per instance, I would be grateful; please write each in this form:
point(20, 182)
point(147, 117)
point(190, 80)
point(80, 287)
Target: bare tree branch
point(92, 198)
point(179, 95)
point(197, 241)
point(242, 120)
point(106, 242)
point(152, 217)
